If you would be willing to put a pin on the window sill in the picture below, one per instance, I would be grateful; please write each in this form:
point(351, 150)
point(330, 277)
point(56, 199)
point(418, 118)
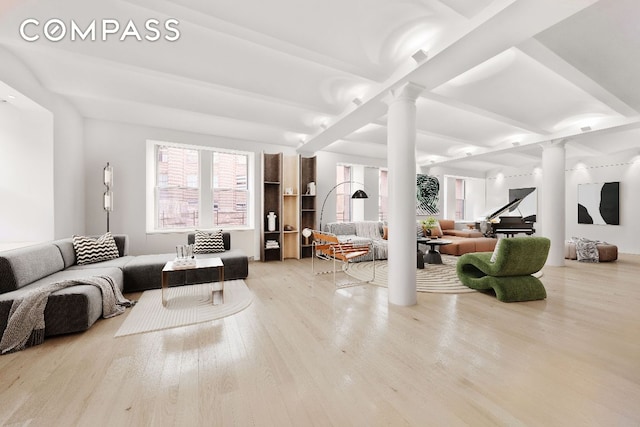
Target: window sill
point(192, 230)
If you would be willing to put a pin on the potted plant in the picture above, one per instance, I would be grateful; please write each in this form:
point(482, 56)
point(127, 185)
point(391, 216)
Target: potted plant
point(428, 224)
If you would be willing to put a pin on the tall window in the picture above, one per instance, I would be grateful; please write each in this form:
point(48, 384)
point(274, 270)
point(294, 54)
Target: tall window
point(181, 198)
point(343, 193)
point(460, 201)
point(177, 190)
point(230, 190)
point(383, 198)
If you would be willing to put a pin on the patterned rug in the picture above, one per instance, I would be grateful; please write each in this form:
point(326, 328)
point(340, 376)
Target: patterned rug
point(186, 305)
point(439, 278)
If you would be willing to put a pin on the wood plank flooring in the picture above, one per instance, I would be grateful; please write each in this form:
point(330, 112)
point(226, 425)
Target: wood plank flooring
point(304, 354)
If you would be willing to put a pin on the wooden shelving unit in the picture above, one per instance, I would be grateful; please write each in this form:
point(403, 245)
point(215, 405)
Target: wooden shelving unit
point(285, 180)
point(307, 203)
point(271, 202)
point(291, 207)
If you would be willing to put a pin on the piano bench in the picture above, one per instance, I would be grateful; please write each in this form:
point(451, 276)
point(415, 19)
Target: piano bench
point(606, 252)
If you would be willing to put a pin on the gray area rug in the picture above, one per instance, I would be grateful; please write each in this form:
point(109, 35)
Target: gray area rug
point(438, 278)
point(186, 305)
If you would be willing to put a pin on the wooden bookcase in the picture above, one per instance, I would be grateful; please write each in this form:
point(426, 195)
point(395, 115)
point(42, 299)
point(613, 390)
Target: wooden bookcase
point(271, 202)
point(285, 181)
point(291, 207)
point(307, 203)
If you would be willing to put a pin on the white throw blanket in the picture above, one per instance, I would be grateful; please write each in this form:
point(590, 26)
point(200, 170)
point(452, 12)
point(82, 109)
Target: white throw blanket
point(25, 327)
point(586, 250)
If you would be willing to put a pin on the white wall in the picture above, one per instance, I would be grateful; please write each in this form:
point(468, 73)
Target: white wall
point(326, 179)
point(26, 169)
point(124, 147)
point(66, 160)
point(623, 167)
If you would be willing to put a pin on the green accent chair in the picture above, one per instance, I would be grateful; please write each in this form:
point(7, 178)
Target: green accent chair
point(510, 276)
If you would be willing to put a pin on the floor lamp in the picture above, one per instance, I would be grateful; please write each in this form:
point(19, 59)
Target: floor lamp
point(107, 197)
point(358, 194)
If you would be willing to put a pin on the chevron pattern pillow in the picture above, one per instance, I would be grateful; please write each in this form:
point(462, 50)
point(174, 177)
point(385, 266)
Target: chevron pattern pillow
point(94, 249)
point(208, 243)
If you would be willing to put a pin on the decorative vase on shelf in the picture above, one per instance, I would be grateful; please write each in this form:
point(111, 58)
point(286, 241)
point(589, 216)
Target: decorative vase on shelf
point(271, 221)
point(311, 189)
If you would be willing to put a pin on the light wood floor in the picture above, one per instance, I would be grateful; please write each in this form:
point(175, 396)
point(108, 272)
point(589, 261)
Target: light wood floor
point(305, 354)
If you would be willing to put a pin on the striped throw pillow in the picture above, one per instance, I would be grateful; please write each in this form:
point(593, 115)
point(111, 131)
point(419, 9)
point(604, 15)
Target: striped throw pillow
point(208, 243)
point(95, 249)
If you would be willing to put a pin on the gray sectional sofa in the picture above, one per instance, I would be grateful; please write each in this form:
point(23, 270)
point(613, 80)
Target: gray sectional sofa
point(361, 232)
point(76, 308)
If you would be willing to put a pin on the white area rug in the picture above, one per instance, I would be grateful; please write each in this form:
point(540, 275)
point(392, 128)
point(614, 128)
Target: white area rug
point(186, 305)
point(439, 278)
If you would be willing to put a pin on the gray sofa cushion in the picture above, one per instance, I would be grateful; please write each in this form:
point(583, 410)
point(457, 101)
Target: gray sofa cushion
point(19, 267)
point(116, 262)
point(144, 272)
point(68, 310)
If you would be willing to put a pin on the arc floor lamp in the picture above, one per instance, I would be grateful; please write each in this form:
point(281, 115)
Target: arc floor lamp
point(358, 194)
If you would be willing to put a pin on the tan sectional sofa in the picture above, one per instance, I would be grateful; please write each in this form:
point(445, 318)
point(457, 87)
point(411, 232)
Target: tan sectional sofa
point(464, 241)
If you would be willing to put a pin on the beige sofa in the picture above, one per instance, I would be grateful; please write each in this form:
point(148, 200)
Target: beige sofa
point(463, 241)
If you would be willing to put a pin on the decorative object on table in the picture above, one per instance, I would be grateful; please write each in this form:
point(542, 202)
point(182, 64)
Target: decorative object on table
point(358, 194)
point(311, 188)
point(288, 227)
point(599, 203)
point(107, 197)
point(427, 190)
point(271, 221)
point(184, 257)
point(428, 225)
point(511, 275)
point(306, 233)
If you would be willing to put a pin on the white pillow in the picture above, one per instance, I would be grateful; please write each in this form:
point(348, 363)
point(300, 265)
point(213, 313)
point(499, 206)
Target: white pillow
point(494, 256)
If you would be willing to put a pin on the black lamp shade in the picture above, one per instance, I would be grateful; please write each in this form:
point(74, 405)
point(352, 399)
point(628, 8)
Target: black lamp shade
point(359, 194)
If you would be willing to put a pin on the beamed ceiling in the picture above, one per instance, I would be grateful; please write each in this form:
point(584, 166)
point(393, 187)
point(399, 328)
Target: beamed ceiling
point(499, 76)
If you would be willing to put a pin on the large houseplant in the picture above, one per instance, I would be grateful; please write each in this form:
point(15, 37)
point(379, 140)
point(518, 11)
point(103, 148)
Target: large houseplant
point(428, 224)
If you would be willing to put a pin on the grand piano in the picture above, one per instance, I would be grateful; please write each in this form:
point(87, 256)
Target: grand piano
point(510, 225)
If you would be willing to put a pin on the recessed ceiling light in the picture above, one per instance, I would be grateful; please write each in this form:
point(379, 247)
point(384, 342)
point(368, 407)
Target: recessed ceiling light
point(324, 125)
point(468, 153)
point(357, 101)
point(419, 56)
point(585, 128)
point(515, 143)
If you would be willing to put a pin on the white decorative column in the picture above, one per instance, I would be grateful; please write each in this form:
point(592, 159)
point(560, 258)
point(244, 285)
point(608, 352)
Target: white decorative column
point(401, 157)
point(552, 211)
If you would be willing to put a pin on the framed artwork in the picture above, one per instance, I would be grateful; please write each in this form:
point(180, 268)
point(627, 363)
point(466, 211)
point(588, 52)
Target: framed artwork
point(599, 203)
point(427, 190)
point(528, 207)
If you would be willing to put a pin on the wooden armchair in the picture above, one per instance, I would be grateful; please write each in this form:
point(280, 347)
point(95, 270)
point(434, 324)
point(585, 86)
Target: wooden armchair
point(326, 246)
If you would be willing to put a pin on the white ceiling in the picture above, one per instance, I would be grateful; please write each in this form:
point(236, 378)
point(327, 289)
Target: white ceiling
point(501, 76)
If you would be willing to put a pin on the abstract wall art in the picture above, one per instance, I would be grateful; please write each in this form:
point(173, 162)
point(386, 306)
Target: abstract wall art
point(427, 190)
point(599, 203)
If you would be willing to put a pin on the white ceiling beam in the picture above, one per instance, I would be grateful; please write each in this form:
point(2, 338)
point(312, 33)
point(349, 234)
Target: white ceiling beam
point(571, 137)
point(462, 106)
point(502, 25)
point(549, 59)
point(217, 25)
